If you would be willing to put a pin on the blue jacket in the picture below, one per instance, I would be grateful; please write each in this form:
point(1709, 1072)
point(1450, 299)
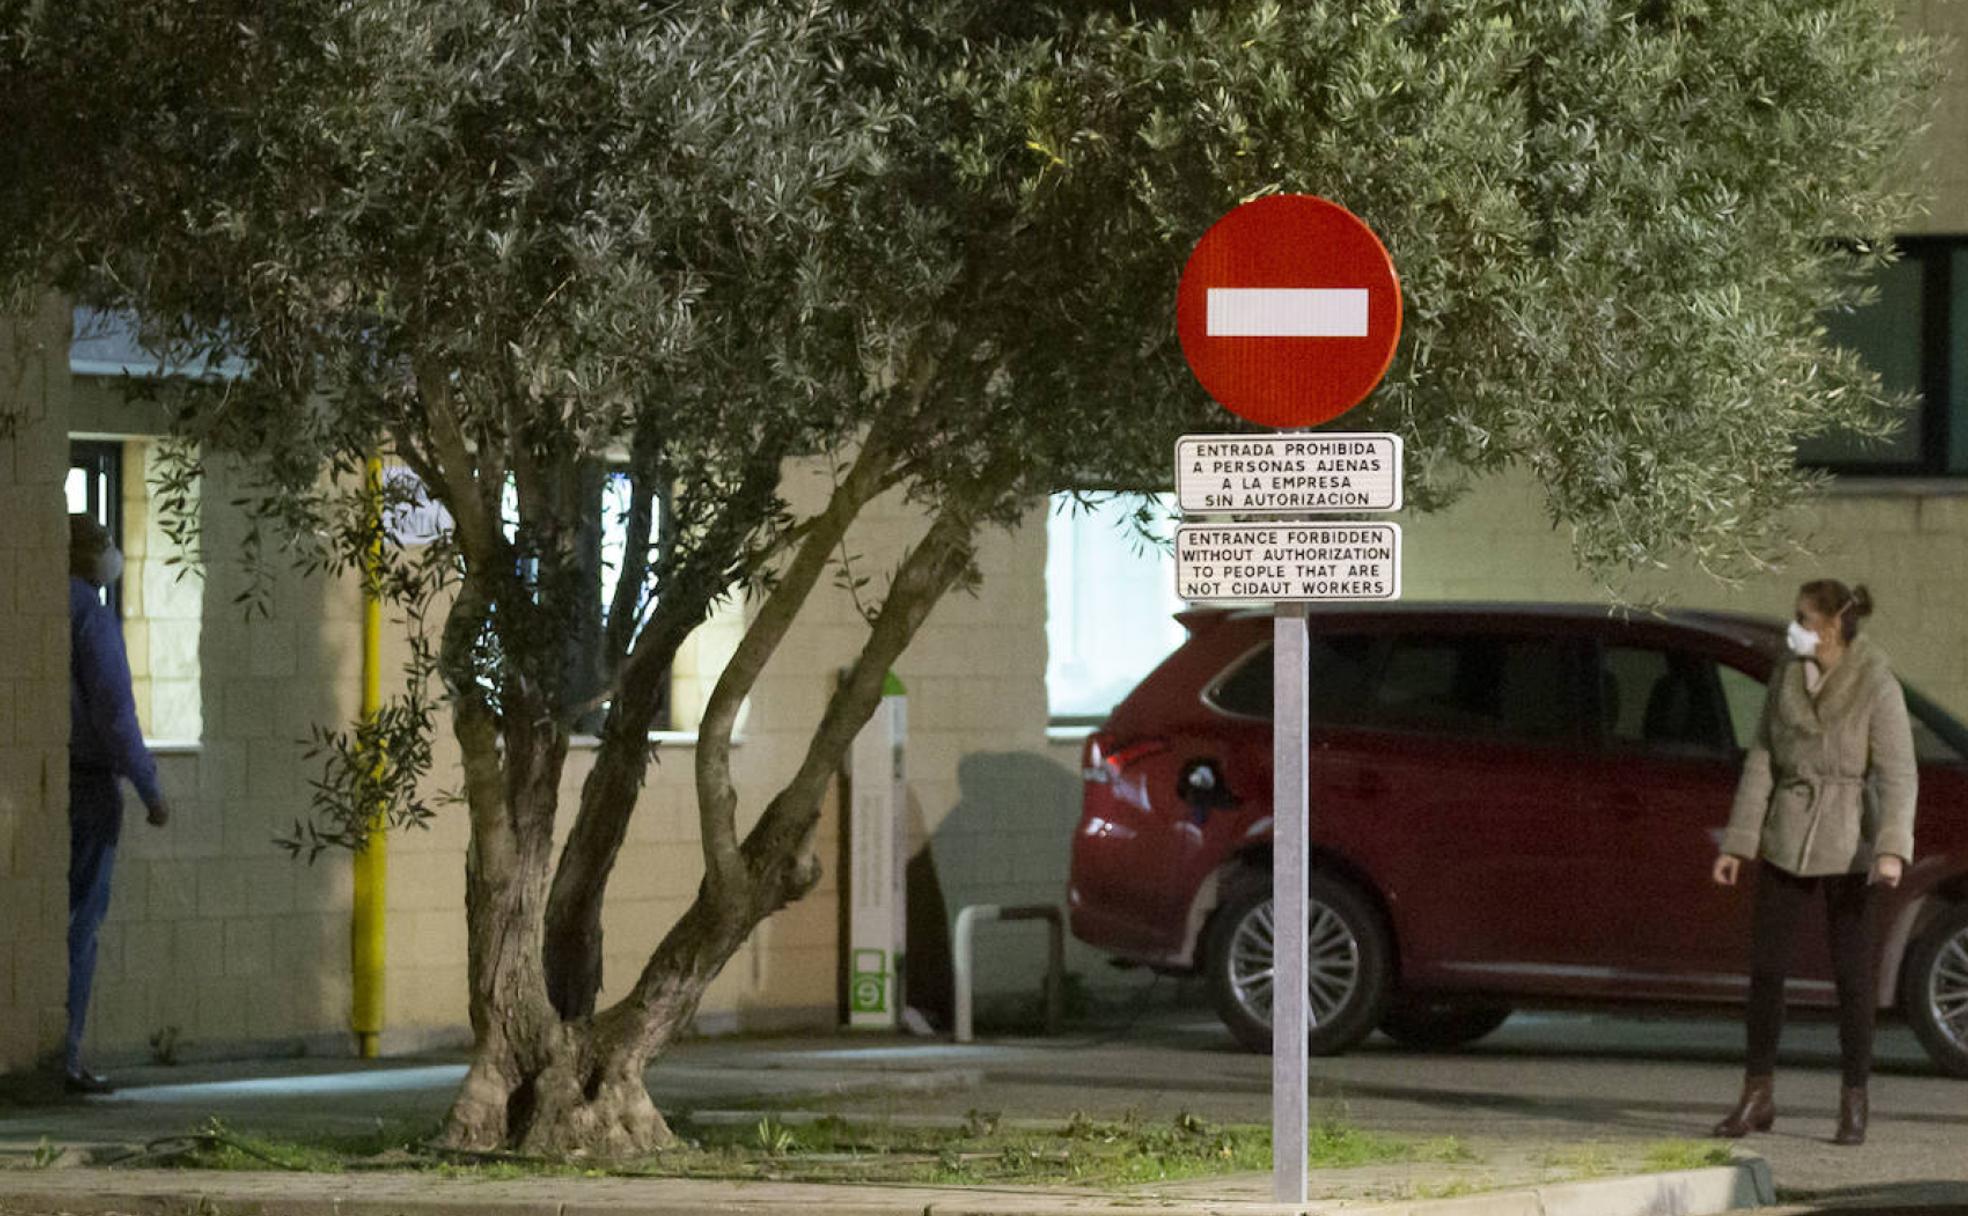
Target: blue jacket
point(102, 717)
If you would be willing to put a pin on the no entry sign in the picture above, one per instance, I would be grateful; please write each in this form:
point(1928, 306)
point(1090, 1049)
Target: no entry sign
point(1289, 310)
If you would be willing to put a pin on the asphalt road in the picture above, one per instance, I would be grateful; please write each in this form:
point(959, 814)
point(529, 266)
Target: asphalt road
point(1541, 1077)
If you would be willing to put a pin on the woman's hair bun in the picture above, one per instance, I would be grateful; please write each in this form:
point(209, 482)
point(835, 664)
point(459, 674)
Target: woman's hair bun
point(1861, 601)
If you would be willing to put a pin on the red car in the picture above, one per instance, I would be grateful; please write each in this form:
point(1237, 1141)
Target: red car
point(1511, 805)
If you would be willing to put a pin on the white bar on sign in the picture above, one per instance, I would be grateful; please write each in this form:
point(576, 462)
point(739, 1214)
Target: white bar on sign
point(1287, 312)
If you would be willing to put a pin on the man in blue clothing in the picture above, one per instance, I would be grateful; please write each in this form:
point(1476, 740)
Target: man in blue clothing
point(104, 744)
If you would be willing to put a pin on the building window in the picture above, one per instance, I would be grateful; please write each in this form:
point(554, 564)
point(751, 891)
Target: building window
point(95, 488)
point(1110, 600)
point(162, 611)
point(603, 552)
point(1915, 335)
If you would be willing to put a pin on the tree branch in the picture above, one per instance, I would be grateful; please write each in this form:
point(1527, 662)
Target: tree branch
point(608, 798)
point(717, 798)
point(776, 854)
point(776, 851)
point(458, 475)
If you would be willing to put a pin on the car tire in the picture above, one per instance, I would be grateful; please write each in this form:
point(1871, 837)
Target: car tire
point(1347, 931)
point(1934, 985)
point(1440, 1025)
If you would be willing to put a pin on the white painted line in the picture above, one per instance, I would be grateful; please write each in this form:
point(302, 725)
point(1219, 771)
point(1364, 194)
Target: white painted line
point(1287, 312)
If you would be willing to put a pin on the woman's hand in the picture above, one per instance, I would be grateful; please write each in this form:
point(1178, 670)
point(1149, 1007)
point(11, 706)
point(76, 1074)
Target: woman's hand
point(1886, 870)
point(1727, 868)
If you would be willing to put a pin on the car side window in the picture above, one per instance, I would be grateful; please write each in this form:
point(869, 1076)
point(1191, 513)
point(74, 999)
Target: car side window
point(1473, 684)
point(1743, 694)
point(1340, 666)
point(1931, 747)
point(1663, 700)
point(1937, 737)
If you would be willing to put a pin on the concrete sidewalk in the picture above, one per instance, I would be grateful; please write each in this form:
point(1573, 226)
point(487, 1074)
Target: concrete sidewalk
point(92, 1192)
point(887, 1077)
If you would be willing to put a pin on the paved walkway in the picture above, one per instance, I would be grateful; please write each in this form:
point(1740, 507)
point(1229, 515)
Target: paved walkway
point(1543, 1088)
point(96, 1192)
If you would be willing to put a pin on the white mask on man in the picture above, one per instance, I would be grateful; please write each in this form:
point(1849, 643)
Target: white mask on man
point(1802, 642)
point(109, 567)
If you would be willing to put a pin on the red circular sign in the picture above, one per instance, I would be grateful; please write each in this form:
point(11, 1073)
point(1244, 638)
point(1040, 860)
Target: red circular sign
point(1289, 310)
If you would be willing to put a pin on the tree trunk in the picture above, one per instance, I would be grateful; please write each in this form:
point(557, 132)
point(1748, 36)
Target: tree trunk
point(574, 1088)
point(536, 1084)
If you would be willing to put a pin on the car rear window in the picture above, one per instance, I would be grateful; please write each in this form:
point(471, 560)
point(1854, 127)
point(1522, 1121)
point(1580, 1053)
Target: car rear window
point(1340, 666)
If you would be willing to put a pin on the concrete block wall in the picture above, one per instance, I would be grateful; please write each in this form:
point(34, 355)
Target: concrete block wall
point(1942, 157)
point(163, 612)
point(33, 685)
point(216, 937)
point(1907, 543)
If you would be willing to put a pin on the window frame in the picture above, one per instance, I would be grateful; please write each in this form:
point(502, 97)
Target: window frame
point(1935, 254)
point(103, 458)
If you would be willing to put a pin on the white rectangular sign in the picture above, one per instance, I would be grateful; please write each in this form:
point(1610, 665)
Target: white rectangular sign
point(1287, 474)
point(1286, 312)
point(1292, 563)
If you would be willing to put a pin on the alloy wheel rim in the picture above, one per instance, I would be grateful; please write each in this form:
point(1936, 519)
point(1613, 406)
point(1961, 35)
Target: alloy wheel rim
point(1332, 972)
point(1947, 990)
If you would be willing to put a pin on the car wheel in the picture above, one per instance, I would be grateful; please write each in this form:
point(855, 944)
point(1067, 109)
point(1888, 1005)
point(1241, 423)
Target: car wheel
point(1348, 977)
point(1427, 1025)
point(1934, 990)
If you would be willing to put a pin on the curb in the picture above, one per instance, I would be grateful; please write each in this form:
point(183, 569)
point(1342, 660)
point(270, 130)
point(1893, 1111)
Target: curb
point(1703, 1192)
point(82, 1192)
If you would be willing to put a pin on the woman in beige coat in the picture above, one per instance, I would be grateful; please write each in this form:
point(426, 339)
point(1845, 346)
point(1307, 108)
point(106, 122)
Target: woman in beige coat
point(1826, 803)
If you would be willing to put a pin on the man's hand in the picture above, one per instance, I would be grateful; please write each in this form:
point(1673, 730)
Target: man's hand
point(159, 814)
point(1727, 868)
point(1886, 870)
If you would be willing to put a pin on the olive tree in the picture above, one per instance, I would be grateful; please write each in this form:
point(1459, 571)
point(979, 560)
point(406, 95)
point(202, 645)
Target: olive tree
point(930, 246)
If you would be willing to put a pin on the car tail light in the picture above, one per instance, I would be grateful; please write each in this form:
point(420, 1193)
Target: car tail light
point(1105, 758)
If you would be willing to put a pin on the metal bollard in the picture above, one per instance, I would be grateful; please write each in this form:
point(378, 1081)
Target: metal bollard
point(1055, 980)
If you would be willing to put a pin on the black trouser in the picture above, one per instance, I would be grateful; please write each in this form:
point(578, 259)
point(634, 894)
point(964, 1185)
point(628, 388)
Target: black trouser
point(95, 822)
point(1781, 898)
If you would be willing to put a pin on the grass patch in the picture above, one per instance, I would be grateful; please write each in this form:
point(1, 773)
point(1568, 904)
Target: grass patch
point(1662, 1156)
point(982, 1149)
point(1337, 1144)
point(1583, 1161)
point(1670, 1155)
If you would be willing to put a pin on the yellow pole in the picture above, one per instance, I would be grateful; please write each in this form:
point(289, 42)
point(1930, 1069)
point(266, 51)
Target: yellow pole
point(367, 927)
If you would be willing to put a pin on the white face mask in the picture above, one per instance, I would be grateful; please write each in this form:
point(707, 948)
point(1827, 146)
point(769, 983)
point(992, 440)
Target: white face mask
point(1802, 642)
point(109, 567)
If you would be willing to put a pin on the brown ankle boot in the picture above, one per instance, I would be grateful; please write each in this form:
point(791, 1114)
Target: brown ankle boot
point(1756, 1111)
point(1853, 1111)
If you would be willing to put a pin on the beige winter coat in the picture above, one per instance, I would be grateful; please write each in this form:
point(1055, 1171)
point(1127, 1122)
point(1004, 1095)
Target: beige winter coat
point(1829, 780)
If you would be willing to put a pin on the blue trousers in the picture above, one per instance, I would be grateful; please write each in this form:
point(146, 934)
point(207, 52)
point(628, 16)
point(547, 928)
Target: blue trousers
point(95, 823)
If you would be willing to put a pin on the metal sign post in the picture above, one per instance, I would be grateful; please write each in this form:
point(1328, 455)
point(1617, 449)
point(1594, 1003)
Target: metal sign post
point(1291, 875)
point(1289, 312)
